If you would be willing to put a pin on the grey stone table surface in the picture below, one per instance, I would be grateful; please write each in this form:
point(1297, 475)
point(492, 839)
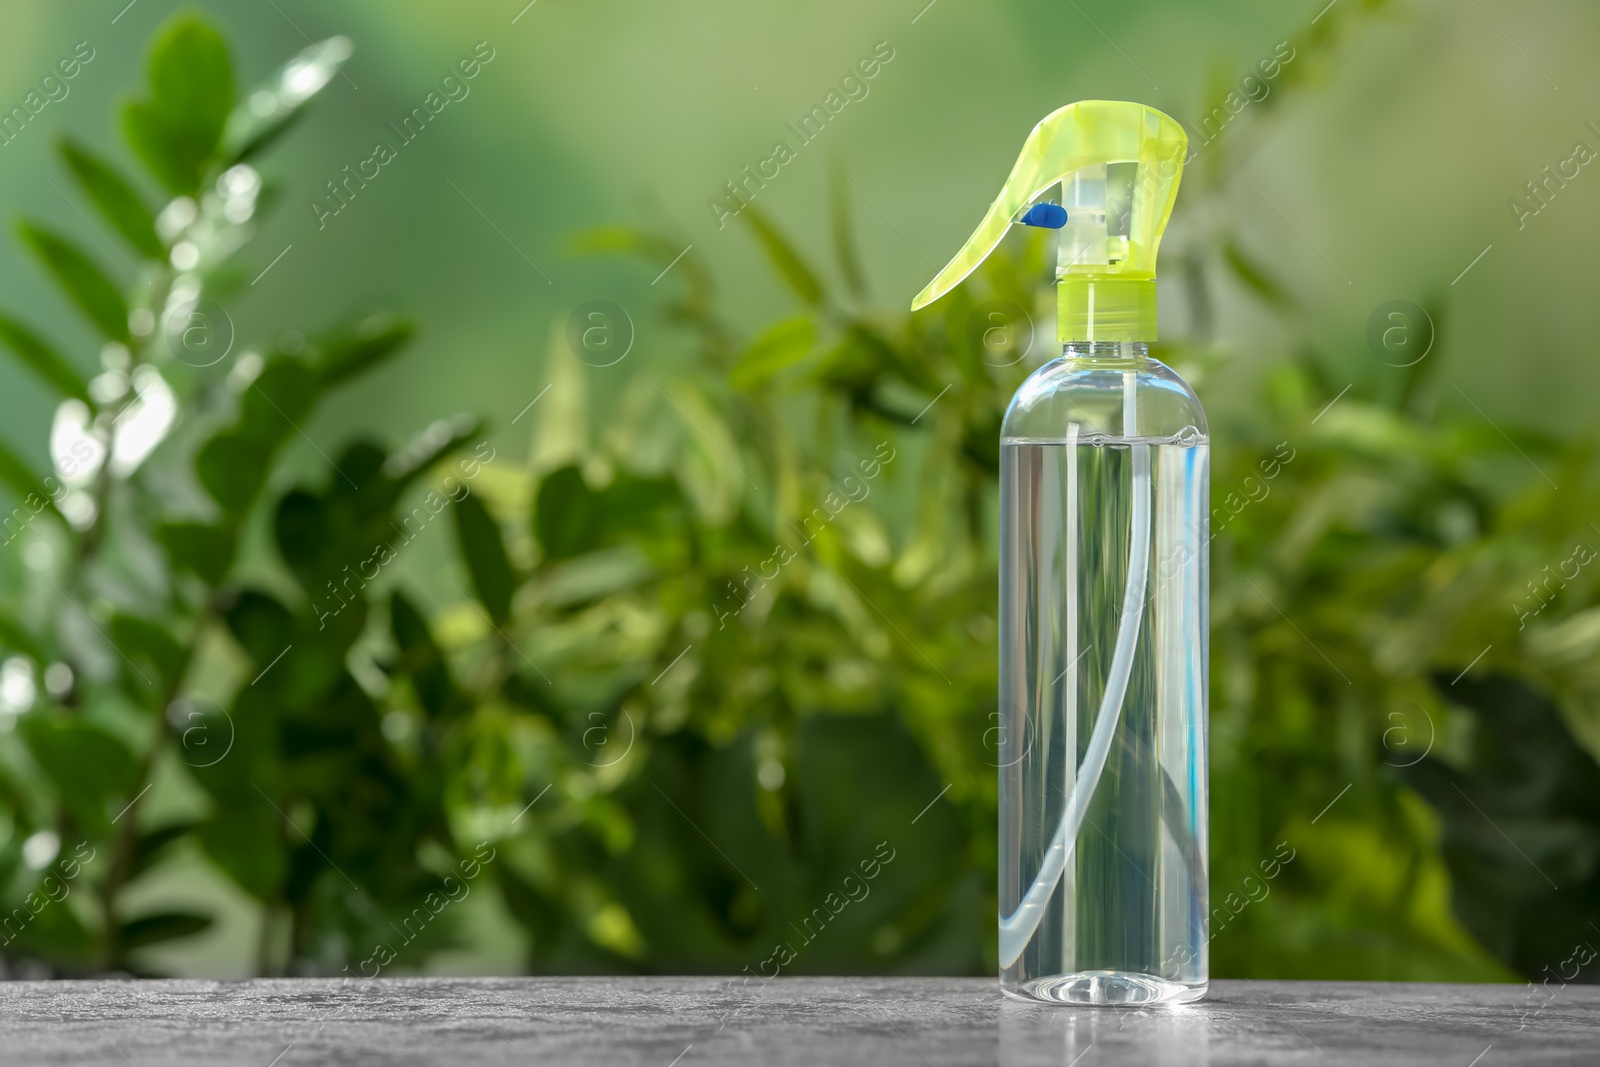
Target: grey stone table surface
point(699, 1022)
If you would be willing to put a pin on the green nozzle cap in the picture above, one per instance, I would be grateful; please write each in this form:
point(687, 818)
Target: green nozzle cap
point(1118, 165)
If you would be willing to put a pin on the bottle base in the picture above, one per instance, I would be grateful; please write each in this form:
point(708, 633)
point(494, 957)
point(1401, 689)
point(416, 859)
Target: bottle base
point(1106, 988)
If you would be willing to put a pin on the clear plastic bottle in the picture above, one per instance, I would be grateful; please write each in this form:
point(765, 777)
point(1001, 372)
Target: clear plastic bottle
point(1103, 638)
point(1104, 488)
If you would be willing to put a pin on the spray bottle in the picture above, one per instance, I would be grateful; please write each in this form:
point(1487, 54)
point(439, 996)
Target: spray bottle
point(1104, 485)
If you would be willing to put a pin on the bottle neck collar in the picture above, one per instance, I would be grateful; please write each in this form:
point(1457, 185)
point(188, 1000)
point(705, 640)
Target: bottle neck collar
point(1120, 350)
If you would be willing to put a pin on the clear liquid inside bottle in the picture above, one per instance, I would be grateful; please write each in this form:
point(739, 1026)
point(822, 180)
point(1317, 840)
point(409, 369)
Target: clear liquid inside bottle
point(1083, 503)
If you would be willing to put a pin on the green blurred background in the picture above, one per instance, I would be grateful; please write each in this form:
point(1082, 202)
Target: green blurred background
point(1378, 168)
point(1398, 166)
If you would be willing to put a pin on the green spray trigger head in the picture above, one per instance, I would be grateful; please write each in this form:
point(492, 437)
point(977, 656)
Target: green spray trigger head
point(1118, 165)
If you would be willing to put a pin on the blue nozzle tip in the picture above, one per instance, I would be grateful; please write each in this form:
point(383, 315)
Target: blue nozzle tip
point(1047, 216)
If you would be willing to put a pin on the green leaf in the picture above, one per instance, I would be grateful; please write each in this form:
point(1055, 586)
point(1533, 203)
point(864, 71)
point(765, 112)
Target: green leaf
point(88, 765)
point(38, 355)
point(844, 244)
point(176, 130)
point(409, 462)
point(630, 505)
point(485, 555)
point(160, 149)
point(117, 200)
point(788, 262)
point(420, 658)
point(150, 848)
point(783, 345)
point(262, 625)
point(154, 652)
point(191, 74)
point(162, 926)
point(199, 547)
point(568, 517)
point(357, 350)
point(245, 840)
point(86, 284)
point(232, 468)
point(275, 105)
point(363, 481)
point(303, 527)
point(277, 401)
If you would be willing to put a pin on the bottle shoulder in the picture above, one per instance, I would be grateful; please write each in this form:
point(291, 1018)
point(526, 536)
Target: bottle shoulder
point(1092, 393)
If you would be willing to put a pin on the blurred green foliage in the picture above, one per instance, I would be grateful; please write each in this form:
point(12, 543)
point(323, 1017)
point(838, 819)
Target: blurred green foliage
point(719, 654)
